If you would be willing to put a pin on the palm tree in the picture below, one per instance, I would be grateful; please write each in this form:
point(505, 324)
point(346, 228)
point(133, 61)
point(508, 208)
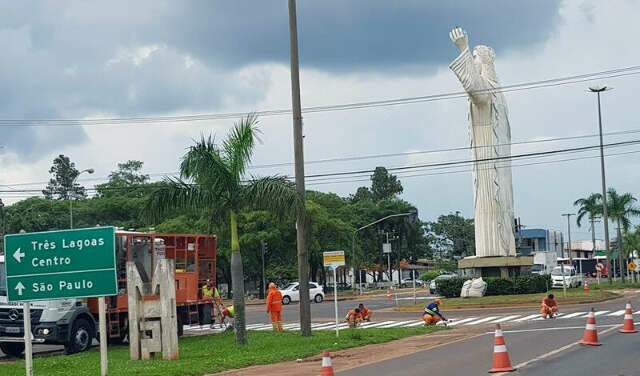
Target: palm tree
point(620, 208)
point(211, 180)
point(590, 207)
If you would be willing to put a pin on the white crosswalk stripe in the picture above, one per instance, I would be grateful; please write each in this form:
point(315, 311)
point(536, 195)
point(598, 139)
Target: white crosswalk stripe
point(559, 315)
point(503, 319)
point(572, 315)
point(399, 323)
point(413, 324)
point(596, 314)
point(482, 320)
point(458, 322)
point(527, 318)
point(617, 313)
point(380, 324)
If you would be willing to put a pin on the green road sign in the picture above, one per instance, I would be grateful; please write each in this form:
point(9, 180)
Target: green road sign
point(61, 264)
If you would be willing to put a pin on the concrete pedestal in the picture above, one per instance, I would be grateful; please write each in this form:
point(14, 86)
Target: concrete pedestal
point(498, 266)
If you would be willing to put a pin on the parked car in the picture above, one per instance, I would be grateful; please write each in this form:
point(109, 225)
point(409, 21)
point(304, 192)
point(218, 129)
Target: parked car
point(408, 282)
point(433, 286)
point(571, 277)
point(291, 293)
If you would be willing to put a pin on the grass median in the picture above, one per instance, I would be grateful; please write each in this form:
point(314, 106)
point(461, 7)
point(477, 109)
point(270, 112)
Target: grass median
point(215, 353)
point(574, 296)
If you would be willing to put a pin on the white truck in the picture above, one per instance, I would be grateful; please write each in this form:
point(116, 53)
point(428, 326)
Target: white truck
point(544, 262)
point(66, 322)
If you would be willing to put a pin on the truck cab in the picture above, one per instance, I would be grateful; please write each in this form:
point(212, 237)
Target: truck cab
point(66, 322)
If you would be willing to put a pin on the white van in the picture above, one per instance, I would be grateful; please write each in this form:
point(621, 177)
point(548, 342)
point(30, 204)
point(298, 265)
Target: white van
point(571, 277)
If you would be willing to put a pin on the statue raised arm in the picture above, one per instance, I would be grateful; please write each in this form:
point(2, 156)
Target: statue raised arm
point(469, 67)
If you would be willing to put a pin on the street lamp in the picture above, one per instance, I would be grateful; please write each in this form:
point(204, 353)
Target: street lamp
point(73, 182)
point(353, 237)
point(605, 214)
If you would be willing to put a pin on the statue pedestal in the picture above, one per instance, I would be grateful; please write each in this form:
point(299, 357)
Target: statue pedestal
point(496, 266)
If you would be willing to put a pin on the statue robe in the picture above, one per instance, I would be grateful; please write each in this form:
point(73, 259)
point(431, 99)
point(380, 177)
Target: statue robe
point(490, 138)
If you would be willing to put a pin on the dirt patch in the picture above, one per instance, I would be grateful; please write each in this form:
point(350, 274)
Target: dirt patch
point(355, 357)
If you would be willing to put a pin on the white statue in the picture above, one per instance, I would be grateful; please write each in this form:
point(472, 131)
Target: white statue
point(490, 142)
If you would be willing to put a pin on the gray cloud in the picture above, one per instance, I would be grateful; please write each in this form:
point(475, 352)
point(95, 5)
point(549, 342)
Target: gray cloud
point(73, 58)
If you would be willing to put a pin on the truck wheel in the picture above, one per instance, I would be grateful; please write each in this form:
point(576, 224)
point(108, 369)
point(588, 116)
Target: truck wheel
point(14, 349)
point(80, 337)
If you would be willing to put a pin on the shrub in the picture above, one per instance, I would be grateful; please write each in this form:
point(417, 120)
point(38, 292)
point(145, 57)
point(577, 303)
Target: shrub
point(499, 286)
point(450, 288)
point(428, 276)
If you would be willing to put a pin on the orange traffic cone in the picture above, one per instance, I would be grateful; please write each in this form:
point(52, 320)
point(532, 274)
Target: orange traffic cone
point(327, 367)
point(590, 337)
point(501, 361)
point(628, 320)
point(586, 287)
point(389, 294)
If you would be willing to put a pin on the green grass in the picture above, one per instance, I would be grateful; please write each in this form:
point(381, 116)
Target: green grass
point(574, 296)
point(215, 353)
point(604, 285)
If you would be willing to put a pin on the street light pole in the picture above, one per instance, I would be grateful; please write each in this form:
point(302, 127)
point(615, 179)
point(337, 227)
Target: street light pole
point(264, 281)
point(605, 214)
point(353, 238)
point(568, 215)
point(73, 182)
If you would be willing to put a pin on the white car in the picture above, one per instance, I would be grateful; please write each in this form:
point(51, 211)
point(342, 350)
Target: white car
point(291, 293)
point(571, 278)
point(433, 286)
point(407, 282)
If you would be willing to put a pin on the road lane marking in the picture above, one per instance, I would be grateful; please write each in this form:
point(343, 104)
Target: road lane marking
point(542, 318)
point(454, 323)
point(595, 314)
point(617, 313)
point(556, 351)
point(526, 318)
point(503, 319)
point(571, 315)
point(482, 320)
point(380, 324)
point(321, 327)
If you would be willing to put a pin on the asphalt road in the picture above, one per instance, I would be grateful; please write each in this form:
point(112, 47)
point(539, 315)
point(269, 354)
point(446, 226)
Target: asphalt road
point(532, 345)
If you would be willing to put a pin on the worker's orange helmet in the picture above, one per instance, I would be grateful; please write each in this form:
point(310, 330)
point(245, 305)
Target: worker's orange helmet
point(438, 301)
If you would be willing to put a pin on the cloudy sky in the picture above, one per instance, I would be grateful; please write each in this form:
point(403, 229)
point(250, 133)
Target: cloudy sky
point(121, 59)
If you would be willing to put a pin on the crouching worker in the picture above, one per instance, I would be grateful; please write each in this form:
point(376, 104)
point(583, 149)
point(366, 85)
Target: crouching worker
point(365, 312)
point(432, 313)
point(549, 307)
point(354, 318)
point(228, 317)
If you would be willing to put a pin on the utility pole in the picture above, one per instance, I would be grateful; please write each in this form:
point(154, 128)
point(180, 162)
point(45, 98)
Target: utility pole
point(593, 221)
point(303, 262)
point(568, 215)
point(605, 214)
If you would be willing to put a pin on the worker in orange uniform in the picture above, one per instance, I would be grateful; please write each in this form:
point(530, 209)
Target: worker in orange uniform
point(274, 307)
point(365, 312)
point(354, 317)
point(432, 314)
point(549, 307)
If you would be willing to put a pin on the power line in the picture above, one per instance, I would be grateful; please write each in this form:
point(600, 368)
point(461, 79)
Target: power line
point(566, 80)
point(413, 168)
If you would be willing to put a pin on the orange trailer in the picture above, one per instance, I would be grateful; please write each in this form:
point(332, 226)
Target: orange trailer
point(195, 260)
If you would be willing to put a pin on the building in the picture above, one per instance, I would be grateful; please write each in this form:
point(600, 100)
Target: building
point(584, 248)
point(532, 240)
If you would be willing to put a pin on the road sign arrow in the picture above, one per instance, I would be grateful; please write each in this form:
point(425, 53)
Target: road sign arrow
point(19, 287)
point(18, 255)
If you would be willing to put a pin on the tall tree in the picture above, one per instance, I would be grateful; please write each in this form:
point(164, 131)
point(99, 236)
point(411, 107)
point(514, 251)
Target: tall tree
point(590, 207)
point(455, 232)
point(621, 207)
point(62, 186)
point(212, 180)
point(125, 180)
point(384, 185)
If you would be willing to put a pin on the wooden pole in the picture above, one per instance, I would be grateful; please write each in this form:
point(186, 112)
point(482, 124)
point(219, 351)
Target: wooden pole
point(104, 364)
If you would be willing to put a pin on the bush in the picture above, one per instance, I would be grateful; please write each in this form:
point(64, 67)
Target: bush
point(450, 288)
point(428, 276)
point(530, 284)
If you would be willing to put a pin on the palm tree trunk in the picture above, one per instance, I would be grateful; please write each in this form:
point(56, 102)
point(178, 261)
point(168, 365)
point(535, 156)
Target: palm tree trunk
point(237, 277)
point(620, 252)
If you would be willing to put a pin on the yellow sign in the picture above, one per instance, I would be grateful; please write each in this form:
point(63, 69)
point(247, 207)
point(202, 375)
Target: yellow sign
point(632, 266)
point(333, 259)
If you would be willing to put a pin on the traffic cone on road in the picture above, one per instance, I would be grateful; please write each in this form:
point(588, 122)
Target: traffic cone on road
point(501, 361)
point(389, 294)
point(327, 367)
point(590, 337)
point(628, 326)
point(586, 287)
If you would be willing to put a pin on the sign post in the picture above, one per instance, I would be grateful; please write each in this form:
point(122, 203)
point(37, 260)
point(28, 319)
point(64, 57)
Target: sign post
point(64, 264)
point(333, 260)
